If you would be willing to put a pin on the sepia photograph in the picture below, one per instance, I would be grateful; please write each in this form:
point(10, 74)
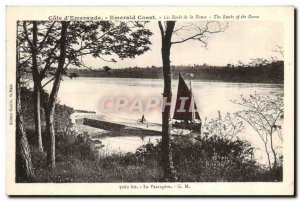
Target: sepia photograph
point(160, 101)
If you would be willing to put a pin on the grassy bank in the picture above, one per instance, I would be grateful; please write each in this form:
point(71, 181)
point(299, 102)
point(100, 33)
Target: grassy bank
point(79, 161)
point(203, 160)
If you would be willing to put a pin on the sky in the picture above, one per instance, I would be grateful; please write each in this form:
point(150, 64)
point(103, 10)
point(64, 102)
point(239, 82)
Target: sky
point(240, 42)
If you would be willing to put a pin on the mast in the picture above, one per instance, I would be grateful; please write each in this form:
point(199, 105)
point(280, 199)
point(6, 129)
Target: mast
point(192, 101)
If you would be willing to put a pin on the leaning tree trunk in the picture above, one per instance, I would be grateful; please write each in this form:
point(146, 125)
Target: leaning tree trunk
point(49, 110)
point(168, 167)
point(24, 168)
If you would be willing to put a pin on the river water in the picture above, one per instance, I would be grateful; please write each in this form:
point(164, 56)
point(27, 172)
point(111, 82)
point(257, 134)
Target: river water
point(210, 96)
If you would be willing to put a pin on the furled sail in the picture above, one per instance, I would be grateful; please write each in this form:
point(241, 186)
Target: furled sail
point(185, 98)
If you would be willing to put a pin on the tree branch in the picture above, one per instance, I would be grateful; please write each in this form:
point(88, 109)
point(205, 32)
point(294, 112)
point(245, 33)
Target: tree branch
point(26, 36)
point(48, 60)
point(46, 36)
point(202, 33)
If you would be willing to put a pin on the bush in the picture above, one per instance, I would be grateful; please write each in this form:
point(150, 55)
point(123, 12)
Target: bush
point(209, 159)
point(62, 121)
point(72, 146)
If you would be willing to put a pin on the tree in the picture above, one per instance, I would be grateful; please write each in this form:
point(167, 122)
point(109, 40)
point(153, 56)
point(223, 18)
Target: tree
point(263, 114)
point(168, 166)
point(37, 51)
point(279, 49)
point(259, 62)
point(35, 45)
point(68, 43)
point(225, 127)
point(50, 104)
point(24, 168)
point(37, 109)
point(106, 69)
point(27, 65)
point(198, 33)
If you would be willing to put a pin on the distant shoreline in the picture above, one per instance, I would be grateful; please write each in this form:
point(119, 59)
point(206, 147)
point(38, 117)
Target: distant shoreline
point(272, 73)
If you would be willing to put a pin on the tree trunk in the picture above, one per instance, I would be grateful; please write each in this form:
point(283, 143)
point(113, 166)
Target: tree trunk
point(37, 118)
point(36, 81)
point(24, 168)
point(273, 150)
point(268, 156)
point(168, 167)
point(49, 113)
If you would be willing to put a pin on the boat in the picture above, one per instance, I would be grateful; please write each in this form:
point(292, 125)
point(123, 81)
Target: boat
point(186, 115)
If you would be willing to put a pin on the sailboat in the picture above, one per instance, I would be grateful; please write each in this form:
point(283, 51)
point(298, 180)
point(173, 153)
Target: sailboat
point(186, 113)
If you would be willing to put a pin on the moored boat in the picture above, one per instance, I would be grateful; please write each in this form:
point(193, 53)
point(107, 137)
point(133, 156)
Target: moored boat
point(186, 115)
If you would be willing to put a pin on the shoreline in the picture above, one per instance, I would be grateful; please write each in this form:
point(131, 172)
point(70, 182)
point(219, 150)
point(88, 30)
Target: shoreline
point(101, 126)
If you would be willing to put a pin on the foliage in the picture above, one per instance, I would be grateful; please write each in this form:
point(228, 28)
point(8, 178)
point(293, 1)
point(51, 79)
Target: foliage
point(103, 40)
point(62, 121)
point(78, 146)
point(208, 159)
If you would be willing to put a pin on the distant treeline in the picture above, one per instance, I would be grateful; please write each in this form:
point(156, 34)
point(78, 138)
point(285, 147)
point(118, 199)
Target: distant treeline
point(268, 73)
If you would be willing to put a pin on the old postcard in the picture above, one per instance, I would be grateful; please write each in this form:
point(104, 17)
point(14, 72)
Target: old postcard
point(150, 101)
